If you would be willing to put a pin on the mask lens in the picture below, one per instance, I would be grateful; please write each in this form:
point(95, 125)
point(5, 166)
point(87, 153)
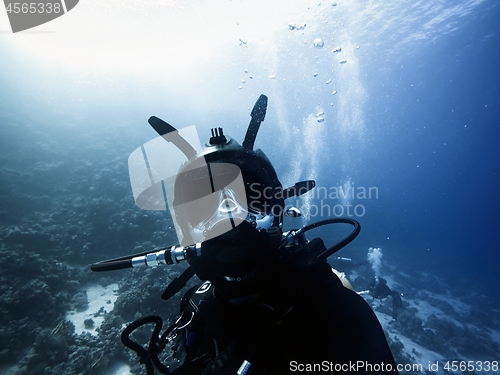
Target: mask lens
point(210, 200)
point(228, 206)
point(230, 212)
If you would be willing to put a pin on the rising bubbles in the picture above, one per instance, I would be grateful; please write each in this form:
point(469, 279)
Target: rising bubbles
point(318, 43)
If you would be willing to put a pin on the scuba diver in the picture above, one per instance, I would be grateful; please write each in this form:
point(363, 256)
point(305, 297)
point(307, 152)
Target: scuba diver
point(380, 290)
point(269, 302)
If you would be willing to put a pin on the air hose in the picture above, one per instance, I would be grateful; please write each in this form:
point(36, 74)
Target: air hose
point(149, 357)
point(339, 245)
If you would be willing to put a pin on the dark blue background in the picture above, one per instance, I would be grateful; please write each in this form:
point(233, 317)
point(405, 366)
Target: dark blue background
point(438, 155)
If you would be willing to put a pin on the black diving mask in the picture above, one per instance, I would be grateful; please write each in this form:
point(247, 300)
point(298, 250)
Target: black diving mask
point(228, 211)
point(213, 199)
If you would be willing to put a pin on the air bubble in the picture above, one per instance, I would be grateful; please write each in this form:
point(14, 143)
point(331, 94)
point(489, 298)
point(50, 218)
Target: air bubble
point(294, 26)
point(318, 43)
point(319, 116)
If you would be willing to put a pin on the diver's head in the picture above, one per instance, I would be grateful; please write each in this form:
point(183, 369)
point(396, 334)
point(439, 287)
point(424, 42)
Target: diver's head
point(229, 199)
point(224, 197)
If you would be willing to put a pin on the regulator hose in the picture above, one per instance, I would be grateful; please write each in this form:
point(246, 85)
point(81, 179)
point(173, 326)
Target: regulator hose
point(339, 245)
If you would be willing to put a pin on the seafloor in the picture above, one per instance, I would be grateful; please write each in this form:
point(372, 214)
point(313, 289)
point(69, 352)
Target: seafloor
point(58, 319)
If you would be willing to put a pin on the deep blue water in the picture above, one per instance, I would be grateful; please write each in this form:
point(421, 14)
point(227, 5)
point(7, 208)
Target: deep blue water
point(416, 114)
point(439, 156)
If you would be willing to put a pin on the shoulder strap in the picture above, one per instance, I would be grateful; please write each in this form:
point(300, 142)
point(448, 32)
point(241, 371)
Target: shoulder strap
point(198, 295)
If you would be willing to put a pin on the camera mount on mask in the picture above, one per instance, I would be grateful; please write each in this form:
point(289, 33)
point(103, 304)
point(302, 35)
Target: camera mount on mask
point(197, 253)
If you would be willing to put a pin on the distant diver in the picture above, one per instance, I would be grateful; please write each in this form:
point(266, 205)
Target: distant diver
point(378, 289)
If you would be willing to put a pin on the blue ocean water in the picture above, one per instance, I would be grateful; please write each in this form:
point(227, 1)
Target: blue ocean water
point(399, 105)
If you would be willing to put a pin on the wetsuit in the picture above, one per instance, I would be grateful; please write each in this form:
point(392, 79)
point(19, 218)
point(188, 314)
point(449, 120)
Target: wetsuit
point(318, 326)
